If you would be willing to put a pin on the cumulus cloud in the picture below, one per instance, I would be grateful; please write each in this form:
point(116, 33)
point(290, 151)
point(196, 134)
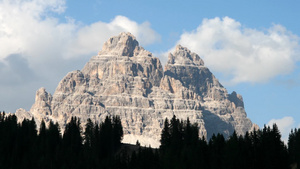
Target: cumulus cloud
point(37, 46)
point(28, 29)
point(285, 125)
point(243, 54)
point(91, 37)
point(15, 70)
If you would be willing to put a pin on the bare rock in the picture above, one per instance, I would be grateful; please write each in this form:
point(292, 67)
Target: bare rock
point(125, 79)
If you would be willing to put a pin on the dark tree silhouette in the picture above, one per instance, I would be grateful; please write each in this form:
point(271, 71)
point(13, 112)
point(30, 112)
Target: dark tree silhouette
point(294, 147)
point(72, 144)
point(165, 136)
point(99, 146)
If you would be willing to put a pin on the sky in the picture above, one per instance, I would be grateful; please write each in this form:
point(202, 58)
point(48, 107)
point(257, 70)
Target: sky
point(252, 47)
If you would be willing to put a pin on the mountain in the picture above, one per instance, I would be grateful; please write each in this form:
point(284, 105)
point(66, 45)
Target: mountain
point(125, 79)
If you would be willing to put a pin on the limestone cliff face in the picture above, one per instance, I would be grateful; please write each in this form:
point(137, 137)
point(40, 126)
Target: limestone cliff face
point(126, 80)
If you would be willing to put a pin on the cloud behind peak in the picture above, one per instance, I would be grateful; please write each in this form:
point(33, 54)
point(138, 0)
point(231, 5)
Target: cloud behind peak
point(243, 54)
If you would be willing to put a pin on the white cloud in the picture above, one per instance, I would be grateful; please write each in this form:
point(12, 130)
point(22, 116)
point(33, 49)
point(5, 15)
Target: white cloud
point(44, 45)
point(91, 37)
point(26, 28)
point(284, 125)
point(242, 54)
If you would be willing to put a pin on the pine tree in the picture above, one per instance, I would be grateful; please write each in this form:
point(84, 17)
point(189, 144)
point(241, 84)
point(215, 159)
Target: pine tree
point(216, 148)
point(42, 146)
point(165, 140)
point(72, 144)
point(89, 134)
point(232, 152)
point(106, 145)
point(89, 145)
point(294, 147)
point(176, 133)
point(273, 153)
point(117, 132)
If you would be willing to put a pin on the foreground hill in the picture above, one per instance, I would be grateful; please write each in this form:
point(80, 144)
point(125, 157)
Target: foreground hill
point(126, 80)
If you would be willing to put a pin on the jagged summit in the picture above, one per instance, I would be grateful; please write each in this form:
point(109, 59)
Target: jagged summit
point(125, 44)
point(183, 56)
point(125, 79)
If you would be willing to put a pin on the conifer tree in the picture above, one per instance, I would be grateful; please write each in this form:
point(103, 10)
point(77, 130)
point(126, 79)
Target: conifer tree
point(72, 144)
point(165, 140)
point(117, 132)
point(216, 148)
point(89, 134)
point(294, 147)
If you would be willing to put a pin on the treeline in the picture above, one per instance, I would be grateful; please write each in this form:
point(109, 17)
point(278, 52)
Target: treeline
point(22, 146)
point(99, 146)
point(181, 148)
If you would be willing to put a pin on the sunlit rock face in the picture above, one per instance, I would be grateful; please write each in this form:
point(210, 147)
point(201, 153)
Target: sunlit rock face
point(125, 79)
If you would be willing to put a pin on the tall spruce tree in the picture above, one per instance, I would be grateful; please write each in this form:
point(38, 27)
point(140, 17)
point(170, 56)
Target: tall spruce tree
point(72, 144)
point(117, 132)
point(294, 147)
point(165, 140)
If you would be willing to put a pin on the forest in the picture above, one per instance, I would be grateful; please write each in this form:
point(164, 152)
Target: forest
point(99, 146)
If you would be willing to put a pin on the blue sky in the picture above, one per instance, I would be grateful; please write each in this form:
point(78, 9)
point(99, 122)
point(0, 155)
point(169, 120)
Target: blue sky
point(251, 46)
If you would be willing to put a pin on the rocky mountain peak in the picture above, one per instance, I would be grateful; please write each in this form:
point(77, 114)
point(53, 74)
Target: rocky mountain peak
point(237, 99)
point(124, 79)
point(122, 45)
point(183, 56)
point(43, 96)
